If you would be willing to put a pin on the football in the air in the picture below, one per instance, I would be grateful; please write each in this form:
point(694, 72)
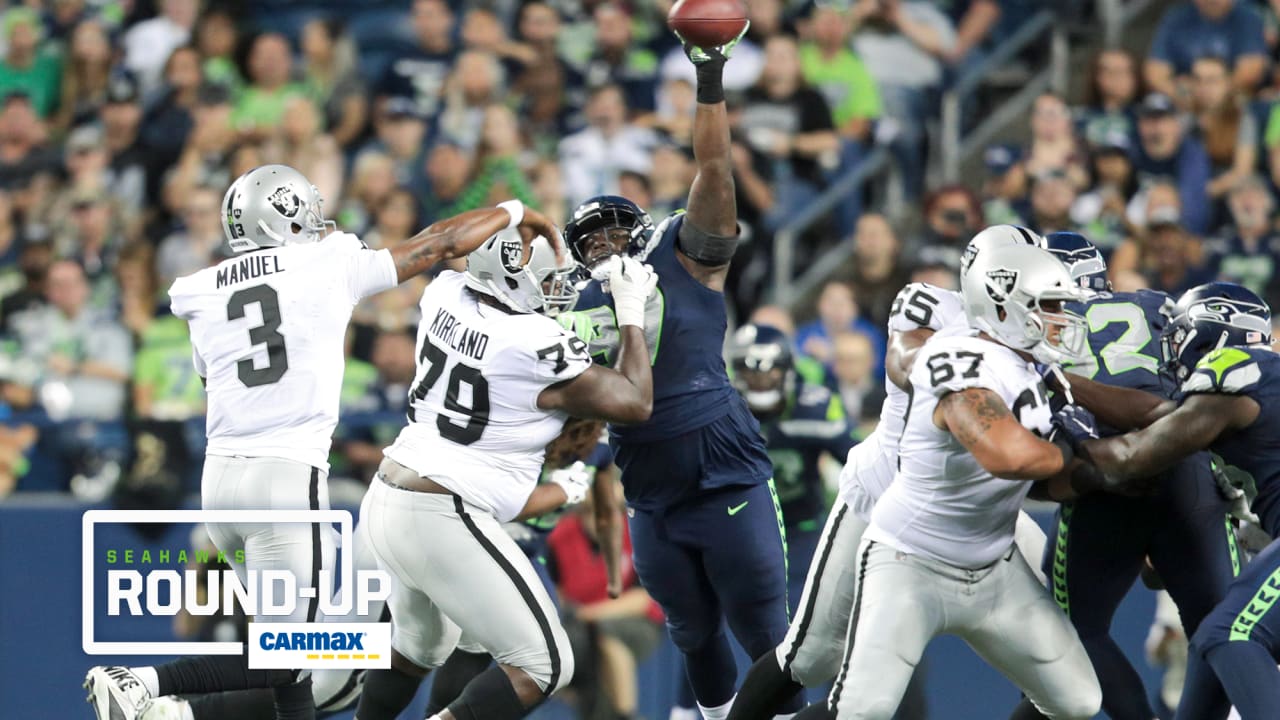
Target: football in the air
point(708, 23)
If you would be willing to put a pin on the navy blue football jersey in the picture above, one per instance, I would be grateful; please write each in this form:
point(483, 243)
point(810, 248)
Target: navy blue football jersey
point(1124, 339)
point(813, 423)
point(1254, 450)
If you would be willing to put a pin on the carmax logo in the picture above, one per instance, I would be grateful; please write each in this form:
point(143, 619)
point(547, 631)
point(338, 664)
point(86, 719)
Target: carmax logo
point(286, 646)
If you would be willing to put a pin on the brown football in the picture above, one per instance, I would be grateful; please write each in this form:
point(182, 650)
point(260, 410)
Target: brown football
point(708, 23)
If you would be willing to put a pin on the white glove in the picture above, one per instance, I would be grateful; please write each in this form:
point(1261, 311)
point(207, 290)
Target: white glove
point(631, 283)
point(575, 480)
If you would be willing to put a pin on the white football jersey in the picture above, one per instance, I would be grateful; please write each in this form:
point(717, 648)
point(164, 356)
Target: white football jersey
point(871, 463)
point(268, 330)
point(942, 504)
point(475, 426)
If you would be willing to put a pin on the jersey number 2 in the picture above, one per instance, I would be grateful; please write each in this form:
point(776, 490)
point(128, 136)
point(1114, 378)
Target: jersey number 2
point(433, 359)
point(268, 333)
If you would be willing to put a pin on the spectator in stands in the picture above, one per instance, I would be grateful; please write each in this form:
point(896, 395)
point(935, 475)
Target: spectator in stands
point(420, 72)
point(260, 106)
point(476, 83)
point(1100, 212)
point(121, 118)
point(448, 167)
point(620, 61)
point(1170, 261)
point(974, 21)
point(92, 237)
point(305, 146)
point(670, 179)
point(1157, 204)
point(861, 393)
point(1164, 151)
point(148, 44)
point(551, 90)
point(85, 71)
point(624, 630)
point(1004, 187)
point(69, 343)
point(395, 309)
point(774, 316)
point(877, 272)
point(591, 159)
point(61, 19)
point(748, 58)
point(787, 125)
point(218, 40)
point(373, 177)
point(903, 44)
point(837, 312)
point(830, 66)
point(677, 104)
point(332, 80)
point(29, 65)
point(1227, 130)
point(400, 129)
point(168, 120)
point(198, 243)
point(207, 151)
point(936, 274)
point(496, 172)
point(25, 159)
point(549, 189)
point(1226, 28)
point(15, 441)
point(952, 215)
point(1109, 96)
point(1052, 196)
point(369, 389)
point(135, 274)
point(168, 405)
point(1248, 250)
point(33, 265)
point(1054, 145)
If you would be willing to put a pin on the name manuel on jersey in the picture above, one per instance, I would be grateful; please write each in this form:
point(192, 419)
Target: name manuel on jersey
point(458, 337)
point(248, 268)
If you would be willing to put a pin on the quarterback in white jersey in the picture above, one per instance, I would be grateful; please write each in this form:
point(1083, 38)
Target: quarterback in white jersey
point(267, 330)
point(939, 555)
point(496, 380)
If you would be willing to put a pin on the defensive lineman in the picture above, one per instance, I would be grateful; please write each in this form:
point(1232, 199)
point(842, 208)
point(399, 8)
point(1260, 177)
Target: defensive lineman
point(496, 381)
point(939, 556)
point(267, 328)
point(810, 654)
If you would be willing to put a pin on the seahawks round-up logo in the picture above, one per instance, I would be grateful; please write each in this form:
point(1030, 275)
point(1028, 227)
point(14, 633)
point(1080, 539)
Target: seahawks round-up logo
point(285, 201)
point(512, 251)
point(1000, 283)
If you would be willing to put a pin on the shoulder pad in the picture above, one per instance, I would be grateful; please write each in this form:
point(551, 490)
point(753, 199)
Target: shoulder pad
point(344, 241)
point(924, 306)
point(1226, 370)
point(958, 362)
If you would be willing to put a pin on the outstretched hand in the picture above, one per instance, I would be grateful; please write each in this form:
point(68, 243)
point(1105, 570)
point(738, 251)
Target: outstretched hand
point(720, 54)
point(534, 224)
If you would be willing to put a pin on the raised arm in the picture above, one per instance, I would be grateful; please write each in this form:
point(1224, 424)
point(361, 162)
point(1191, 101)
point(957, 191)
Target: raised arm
point(709, 235)
point(457, 236)
point(1118, 407)
point(1190, 428)
point(980, 420)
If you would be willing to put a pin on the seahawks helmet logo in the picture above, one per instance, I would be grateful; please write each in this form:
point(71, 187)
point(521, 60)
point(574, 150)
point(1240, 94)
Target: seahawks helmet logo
point(285, 201)
point(1000, 282)
point(512, 251)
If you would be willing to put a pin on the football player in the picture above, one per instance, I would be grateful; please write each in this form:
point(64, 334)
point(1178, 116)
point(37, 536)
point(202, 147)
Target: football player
point(939, 554)
point(705, 524)
point(496, 380)
point(267, 329)
point(811, 652)
point(1219, 345)
point(1104, 539)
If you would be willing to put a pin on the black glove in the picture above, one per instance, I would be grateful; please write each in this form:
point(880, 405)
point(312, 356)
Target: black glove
point(709, 63)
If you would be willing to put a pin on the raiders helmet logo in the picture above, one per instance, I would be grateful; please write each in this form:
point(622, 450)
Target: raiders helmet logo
point(1000, 282)
point(512, 254)
point(285, 201)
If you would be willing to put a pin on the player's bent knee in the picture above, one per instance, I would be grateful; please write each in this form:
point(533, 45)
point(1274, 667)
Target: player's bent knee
point(812, 669)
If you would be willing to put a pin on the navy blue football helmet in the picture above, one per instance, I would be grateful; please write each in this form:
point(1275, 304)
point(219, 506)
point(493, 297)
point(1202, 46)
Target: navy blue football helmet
point(1083, 259)
point(763, 368)
point(1212, 316)
point(605, 212)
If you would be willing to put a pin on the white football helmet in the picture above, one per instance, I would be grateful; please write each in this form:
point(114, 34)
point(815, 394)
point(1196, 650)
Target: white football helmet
point(542, 285)
point(1005, 295)
point(270, 206)
point(994, 237)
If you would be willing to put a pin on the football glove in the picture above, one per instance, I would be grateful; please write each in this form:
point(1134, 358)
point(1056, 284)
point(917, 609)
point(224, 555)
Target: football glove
point(1076, 424)
point(631, 283)
point(699, 56)
point(575, 480)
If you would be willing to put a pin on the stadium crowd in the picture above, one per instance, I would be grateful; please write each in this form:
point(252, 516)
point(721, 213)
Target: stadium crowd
point(123, 121)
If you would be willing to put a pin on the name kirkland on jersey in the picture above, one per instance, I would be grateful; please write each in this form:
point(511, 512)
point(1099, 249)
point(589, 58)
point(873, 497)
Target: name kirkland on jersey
point(248, 268)
point(469, 342)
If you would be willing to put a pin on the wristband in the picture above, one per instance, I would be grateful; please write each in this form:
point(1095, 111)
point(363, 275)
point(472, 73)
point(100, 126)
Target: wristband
point(515, 209)
point(710, 82)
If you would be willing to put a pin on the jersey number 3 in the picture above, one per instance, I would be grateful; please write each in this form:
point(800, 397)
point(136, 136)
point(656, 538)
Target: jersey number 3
point(268, 333)
point(433, 360)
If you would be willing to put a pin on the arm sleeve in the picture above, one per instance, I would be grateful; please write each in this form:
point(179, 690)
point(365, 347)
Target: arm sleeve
point(366, 271)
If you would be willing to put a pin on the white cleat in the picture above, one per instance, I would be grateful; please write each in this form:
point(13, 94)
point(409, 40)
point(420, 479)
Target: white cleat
point(114, 692)
point(165, 708)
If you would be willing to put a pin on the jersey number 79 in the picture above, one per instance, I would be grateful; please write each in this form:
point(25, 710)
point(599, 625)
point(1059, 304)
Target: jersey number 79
point(433, 359)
